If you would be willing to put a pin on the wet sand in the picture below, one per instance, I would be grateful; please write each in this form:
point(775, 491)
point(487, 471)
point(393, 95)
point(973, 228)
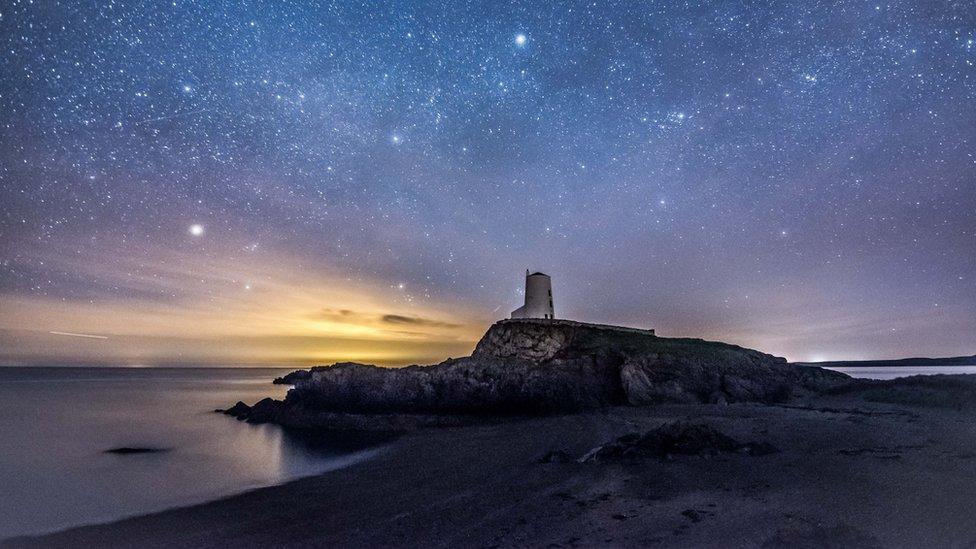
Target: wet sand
point(848, 473)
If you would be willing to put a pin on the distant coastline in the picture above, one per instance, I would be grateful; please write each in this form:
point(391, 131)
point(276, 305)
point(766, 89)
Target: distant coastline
point(948, 361)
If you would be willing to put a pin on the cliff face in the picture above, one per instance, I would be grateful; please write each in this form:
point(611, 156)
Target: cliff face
point(533, 366)
point(540, 340)
point(471, 385)
point(650, 369)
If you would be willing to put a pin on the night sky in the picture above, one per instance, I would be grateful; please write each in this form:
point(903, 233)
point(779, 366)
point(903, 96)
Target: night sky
point(275, 182)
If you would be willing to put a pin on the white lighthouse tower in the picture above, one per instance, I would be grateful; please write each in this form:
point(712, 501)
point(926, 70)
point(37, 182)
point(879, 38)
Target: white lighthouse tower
point(538, 297)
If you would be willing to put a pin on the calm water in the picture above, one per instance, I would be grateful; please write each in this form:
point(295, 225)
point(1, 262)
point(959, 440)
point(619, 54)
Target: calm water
point(56, 423)
point(901, 371)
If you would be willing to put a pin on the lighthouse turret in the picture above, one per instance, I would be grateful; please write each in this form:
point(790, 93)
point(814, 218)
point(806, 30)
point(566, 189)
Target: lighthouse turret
point(538, 297)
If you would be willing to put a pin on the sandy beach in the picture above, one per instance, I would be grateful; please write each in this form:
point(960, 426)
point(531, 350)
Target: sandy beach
point(847, 473)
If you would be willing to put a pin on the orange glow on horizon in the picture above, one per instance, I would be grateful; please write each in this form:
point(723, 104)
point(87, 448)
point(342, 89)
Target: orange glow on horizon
point(252, 310)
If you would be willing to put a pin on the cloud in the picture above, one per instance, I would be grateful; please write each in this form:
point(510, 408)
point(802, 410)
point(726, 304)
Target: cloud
point(418, 321)
point(341, 315)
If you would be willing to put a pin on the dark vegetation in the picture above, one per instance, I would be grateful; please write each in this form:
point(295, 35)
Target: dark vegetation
point(932, 391)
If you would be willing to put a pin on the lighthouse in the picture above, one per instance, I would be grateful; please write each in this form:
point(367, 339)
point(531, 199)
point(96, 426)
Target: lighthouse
point(538, 297)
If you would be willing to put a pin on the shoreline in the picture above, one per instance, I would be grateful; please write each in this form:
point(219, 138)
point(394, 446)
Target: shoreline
point(839, 474)
point(336, 463)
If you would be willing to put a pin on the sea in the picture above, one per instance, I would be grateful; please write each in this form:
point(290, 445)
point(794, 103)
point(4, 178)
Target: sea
point(891, 372)
point(57, 423)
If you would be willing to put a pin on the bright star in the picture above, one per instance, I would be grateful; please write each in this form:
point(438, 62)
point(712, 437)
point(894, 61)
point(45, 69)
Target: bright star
point(196, 229)
point(520, 39)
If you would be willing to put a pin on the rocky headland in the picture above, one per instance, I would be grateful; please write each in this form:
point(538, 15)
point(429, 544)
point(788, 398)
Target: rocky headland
point(534, 367)
point(621, 439)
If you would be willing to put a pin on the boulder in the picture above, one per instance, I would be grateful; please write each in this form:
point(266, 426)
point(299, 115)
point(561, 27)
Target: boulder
point(239, 410)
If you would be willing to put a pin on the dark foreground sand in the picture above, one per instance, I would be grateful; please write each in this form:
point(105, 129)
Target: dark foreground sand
point(849, 474)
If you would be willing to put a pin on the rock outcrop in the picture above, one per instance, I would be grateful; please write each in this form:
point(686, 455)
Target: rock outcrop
point(471, 385)
point(131, 450)
point(292, 378)
point(678, 438)
point(534, 366)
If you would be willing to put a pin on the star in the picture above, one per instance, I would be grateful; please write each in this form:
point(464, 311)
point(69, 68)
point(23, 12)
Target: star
point(520, 39)
point(196, 229)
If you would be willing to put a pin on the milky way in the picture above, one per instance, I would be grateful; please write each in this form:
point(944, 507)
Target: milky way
point(794, 176)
